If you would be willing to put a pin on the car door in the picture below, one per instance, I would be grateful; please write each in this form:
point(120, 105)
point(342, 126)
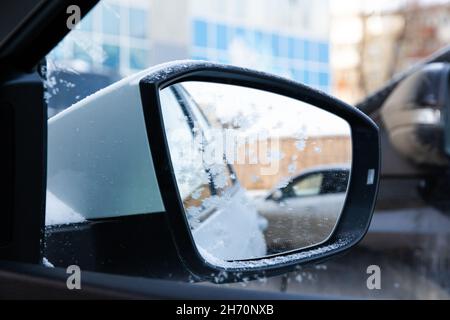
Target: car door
point(203, 187)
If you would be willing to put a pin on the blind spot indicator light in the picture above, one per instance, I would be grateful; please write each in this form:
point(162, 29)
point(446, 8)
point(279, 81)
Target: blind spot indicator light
point(370, 176)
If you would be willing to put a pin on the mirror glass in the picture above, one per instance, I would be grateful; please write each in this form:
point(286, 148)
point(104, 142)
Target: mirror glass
point(258, 173)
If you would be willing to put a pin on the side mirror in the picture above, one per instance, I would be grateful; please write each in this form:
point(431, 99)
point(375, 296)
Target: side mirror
point(417, 116)
point(197, 141)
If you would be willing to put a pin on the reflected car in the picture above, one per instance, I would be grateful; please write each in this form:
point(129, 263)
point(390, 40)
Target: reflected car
point(306, 208)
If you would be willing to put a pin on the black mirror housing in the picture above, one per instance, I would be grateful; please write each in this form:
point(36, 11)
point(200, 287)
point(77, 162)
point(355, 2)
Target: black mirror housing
point(363, 184)
point(417, 116)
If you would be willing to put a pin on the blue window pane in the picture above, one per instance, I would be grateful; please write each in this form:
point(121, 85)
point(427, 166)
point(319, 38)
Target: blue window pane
point(297, 75)
point(283, 46)
point(260, 39)
point(224, 60)
point(138, 58)
point(239, 33)
point(138, 23)
point(295, 48)
point(324, 79)
point(86, 23)
point(250, 37)
point(262, 43)
point(278, 70)
point(112, 56)
point(276, 45)
point(199, 57)
point(307, 50)
point(111, 19)
point(307, 77)
point(200, 33)
point(222, 37)
point(324, 52)
point(291, 48)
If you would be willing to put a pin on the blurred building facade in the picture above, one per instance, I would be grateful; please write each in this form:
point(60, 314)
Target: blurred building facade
point(370, 46)
point(279, 36)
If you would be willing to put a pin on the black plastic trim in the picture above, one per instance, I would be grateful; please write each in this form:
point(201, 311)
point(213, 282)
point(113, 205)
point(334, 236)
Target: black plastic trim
point(24, 281)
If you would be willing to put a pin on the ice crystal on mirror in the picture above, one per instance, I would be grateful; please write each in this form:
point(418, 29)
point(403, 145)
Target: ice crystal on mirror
point(300, 145)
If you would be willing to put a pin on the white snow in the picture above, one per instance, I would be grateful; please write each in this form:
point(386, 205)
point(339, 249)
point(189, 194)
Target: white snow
point(58, 212)
point(47, 263)
point(269, 261)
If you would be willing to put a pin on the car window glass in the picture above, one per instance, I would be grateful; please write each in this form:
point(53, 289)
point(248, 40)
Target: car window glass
point(335, 182)
point(308, 186)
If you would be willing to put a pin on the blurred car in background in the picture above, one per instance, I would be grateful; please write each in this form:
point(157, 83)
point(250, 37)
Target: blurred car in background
point(308, 204)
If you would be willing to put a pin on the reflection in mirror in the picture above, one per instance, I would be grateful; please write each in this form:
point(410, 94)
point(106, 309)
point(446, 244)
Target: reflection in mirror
point(258, 173)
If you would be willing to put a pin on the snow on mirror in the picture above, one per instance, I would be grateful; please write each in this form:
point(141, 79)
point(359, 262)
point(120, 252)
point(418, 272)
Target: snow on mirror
point(258, 173)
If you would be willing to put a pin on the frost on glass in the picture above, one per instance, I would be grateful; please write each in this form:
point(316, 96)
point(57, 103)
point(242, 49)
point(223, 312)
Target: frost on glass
point(258, 173)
